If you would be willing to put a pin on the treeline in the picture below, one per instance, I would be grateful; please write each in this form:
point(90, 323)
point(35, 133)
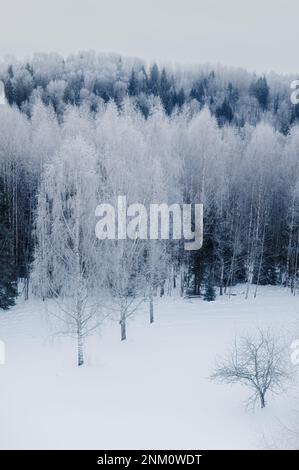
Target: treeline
point(55, 171)
point(233, 96)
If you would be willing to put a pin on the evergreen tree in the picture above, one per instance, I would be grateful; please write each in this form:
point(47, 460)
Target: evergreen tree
point(210, 293)
point(260, 90)
point(224, 113)
point(166, 94)
point(133, 84)
point(8, 277)
point(198, 92)
point(9, 92)
point(153, 83)
point(180, 99)
point(232, 94)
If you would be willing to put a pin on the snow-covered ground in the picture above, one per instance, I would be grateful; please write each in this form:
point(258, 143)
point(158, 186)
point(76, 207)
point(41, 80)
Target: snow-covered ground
point(151, 391)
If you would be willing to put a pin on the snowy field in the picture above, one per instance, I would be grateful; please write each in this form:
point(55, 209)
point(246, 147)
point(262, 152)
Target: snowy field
point(151, 391)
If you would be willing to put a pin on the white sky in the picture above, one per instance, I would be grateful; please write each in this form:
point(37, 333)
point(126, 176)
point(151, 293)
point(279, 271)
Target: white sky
point(255, 34)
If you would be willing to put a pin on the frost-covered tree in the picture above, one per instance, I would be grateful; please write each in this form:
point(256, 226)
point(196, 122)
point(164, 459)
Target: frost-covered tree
point(244, 169)
point(66, 255)
point(125, 280)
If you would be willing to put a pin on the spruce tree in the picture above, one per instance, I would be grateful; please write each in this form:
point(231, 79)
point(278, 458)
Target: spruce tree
point(154, 80)
point(8, 277)
point(261, 91)
point(133, 84)
point(210, 293)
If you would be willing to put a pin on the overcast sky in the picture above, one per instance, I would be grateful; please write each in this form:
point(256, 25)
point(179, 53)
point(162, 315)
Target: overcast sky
point(259, 35)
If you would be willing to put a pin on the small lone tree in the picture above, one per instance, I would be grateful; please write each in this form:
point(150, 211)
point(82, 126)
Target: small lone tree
point(124, 279)
point(257, 362)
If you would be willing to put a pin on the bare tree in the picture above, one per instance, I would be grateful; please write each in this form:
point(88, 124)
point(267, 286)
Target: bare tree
point(257, 362)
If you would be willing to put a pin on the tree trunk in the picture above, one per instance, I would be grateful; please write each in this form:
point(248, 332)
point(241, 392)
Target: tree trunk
point(151, 303)
point(290, 242)
point(249, 279)
point(26, 288)
point(232, 269)
point(221, 277)
point(123, 331)
point(261, 262)
point(182, 284)
point(296, 266)
point(80, 350)
point(262, 399)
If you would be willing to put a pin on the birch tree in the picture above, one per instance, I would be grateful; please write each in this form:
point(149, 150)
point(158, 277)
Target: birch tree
point(66, 254)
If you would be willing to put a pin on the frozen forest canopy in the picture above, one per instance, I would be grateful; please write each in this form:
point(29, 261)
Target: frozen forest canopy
point(233, 95)
point(83, 130)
